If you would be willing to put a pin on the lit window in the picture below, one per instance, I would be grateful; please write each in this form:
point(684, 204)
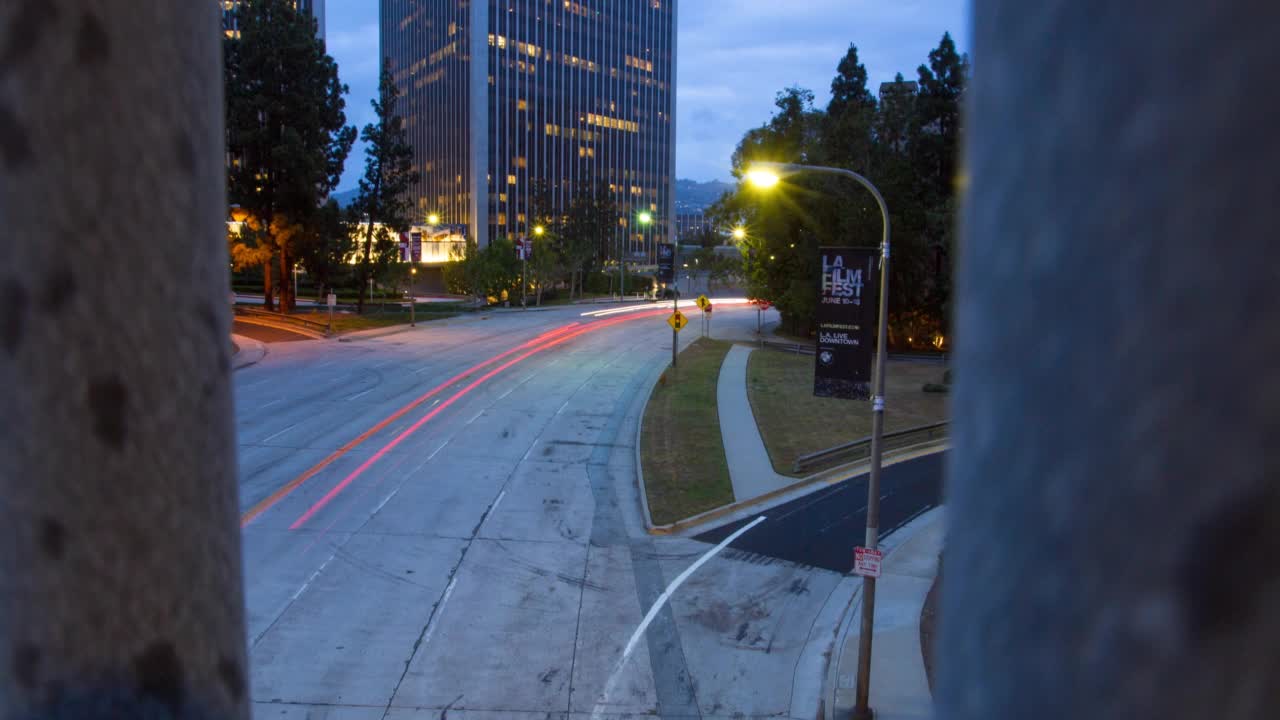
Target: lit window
point(522, 105)
point(521, 162)
point(511, 179)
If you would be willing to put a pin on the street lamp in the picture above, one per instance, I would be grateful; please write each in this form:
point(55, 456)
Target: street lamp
point(767, 175)
point(413, 301)
point(739, 233)
point(539, 231)
point(433, 219)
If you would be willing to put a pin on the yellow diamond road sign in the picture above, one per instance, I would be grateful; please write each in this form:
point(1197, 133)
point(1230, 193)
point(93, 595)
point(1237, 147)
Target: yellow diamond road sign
point(703, 302)
point(677, 321)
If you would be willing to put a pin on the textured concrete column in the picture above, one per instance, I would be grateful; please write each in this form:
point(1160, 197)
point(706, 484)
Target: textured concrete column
point(1115, 487)
point(120, 579)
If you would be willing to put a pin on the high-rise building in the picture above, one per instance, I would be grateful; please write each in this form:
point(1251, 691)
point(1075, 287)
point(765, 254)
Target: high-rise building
point(503, 96)
point(315, 7)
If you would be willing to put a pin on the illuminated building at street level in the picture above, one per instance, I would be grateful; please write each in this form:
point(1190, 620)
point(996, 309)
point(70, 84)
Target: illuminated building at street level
point(501, 96)
point(315, 7)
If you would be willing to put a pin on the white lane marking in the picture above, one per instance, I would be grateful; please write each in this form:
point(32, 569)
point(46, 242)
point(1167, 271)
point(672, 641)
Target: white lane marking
point(529, 451)
point(437, 452)
point(666, 594)
point(504, 395)
point(431, 629)
point(385, 500)
point(494, 507)
point(313, 577)
point(597, 711)
point(273, 437)
point(357, 396)
point(477, 417)
point(273, 402)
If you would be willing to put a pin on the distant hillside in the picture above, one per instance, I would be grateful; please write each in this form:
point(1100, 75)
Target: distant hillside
point(346, 197)
point(694, 196)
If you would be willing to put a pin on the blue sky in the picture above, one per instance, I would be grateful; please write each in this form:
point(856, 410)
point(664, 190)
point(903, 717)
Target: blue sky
point(734, 56)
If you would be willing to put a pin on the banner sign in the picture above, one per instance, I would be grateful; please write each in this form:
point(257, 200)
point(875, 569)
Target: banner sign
point(666, 263)
point(847, 323)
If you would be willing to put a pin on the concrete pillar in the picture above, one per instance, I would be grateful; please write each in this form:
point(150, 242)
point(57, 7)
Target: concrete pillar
point(1115, 506)
point(120, 575)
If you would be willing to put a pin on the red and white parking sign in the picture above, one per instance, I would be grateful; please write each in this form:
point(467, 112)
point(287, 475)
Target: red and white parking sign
point(866, 562)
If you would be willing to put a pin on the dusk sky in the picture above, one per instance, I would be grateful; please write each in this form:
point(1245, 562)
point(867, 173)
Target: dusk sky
point(734, 57)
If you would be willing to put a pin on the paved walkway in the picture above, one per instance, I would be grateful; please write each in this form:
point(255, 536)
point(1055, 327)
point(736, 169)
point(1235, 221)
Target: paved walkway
point(899, 686)
point(749, 466)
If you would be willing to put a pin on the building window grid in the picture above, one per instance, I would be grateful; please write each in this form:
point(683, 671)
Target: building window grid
point(642, 158)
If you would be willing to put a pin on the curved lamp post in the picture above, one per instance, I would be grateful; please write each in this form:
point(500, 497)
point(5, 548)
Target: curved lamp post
point(767, 175)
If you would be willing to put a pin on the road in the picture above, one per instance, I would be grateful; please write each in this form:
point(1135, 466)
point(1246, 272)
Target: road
point(816, 529)
point(446, 521)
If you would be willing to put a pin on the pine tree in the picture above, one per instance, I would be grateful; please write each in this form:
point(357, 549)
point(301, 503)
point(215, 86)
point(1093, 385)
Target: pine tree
point(287, 138)
point(388, 176)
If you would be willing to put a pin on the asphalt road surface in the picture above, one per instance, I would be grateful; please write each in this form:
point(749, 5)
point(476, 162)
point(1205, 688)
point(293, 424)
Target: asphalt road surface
point(446, 521)
point(821, 529)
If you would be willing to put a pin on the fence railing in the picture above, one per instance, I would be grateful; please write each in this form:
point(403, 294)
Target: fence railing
point(860, 449)
point(283, 319)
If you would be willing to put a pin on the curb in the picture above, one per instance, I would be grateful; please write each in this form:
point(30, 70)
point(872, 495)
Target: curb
point(725, 514)
point(296, 329)
point(250, 352)
point(895, 539)
point(644, 490)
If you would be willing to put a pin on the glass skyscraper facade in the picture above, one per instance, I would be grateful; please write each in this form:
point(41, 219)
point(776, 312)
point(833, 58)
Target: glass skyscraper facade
point(505, 96)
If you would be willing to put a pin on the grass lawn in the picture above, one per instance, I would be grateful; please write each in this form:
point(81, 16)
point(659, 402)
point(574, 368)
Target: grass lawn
point(681, 451)
point(793, 422)
point(344, 322)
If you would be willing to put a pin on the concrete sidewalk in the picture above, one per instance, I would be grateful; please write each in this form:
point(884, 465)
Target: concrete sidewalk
point(250, 351)
point(749, 467)
point(899, 686)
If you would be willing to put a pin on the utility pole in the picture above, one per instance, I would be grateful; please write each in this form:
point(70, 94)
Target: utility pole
point(120, 567)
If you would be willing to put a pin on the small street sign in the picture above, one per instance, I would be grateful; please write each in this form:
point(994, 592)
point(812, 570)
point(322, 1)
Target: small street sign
point(866, 561)
point(703, 302)
point(707, 309)
point(677, 321)
point(333, 300)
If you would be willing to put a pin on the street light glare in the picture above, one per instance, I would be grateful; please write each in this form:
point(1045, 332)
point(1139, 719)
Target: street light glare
point(433, 219)
point(762, 178)
point(645, 218)
point(739, 232)
point(539, 230)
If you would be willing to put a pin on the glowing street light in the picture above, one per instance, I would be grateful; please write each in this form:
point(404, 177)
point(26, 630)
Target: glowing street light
point(767, 175)
point(539, 231)
point(739, 233)
point(763, 177)
point(433, 219)
point(645, 218)
point(412, 300)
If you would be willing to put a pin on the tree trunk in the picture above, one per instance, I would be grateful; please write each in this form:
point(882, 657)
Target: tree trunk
point(268, 303)
point(120, 566)
point(286, 283)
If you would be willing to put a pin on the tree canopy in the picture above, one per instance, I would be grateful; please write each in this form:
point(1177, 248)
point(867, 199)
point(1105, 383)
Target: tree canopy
point(287, 137)
point(906, 143)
